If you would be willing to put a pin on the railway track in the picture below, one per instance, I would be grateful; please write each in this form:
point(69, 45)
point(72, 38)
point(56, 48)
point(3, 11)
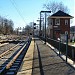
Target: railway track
point(5, 46)
point(8, 53)
point(12, 60)
point(9, 50)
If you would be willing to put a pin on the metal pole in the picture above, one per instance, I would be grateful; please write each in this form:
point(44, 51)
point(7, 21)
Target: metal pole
point(40, 25)
point(66, 46)
point(45, 21)
point(59, 44)
point(45, 27)
point(33, 29)
point(73, 55)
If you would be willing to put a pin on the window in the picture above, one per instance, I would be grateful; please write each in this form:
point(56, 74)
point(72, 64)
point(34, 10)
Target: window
point(66, 22)
point(50, 22)
point(57, 21)
point(66, 32)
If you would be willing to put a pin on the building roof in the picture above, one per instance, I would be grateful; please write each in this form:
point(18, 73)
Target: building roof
point(61, 14)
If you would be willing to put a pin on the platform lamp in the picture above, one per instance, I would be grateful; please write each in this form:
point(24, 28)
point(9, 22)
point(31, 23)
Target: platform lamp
point(45, 21)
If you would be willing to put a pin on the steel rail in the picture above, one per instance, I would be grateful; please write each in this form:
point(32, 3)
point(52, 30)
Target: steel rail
point(16, 58)
point(5, 52)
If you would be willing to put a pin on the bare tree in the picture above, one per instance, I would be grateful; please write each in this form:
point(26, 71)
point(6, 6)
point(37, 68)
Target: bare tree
point(11, 24)
point(28, 30)
point(1, 25)
point(6, 26)
point(55, 6)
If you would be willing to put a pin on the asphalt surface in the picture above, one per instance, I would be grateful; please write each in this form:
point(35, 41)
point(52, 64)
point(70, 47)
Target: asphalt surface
point(47, 62)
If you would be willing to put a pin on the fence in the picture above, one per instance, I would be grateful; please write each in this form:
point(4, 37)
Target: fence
point(55, 43)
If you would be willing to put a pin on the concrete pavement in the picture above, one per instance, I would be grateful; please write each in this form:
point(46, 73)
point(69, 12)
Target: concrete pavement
point(48, 62)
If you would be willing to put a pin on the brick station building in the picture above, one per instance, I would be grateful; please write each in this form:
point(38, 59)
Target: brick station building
point(59, 23)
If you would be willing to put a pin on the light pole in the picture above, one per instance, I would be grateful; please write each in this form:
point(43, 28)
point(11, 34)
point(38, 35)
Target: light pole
point(42, 19)
point(66, 46)
point(45, 21)
point(40, 25)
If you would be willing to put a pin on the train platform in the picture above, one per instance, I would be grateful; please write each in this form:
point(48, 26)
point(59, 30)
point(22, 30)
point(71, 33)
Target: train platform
point(40, 59)
point(26, 66)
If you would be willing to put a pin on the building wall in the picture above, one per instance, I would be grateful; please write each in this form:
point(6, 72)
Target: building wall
point(64, 27)
point(60, 29)
point(56, 30)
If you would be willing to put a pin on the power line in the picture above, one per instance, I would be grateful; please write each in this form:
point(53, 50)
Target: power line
point(15, 6)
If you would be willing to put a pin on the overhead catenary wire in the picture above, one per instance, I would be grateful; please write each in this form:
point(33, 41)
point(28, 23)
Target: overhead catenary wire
point(15, 6)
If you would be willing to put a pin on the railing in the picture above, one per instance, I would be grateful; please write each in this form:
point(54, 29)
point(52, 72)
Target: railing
point(55, 43)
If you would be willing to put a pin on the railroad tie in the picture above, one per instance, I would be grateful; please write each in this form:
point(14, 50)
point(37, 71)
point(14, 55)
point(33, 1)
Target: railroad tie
point(26, 67)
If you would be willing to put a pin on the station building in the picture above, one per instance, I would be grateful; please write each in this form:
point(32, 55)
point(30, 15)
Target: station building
point(59, 23)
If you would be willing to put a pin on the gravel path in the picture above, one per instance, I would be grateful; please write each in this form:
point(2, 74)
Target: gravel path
point(9, 54)
point(6, 47)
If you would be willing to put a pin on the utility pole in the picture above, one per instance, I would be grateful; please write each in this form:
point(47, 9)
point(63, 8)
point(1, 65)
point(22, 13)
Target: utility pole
point(40, 26)
point(45, 27)
point(45, 21)
point(33, 29)
point(66, 46)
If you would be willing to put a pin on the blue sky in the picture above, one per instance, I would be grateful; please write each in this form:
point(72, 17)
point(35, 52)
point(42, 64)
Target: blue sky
point(29, 9)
